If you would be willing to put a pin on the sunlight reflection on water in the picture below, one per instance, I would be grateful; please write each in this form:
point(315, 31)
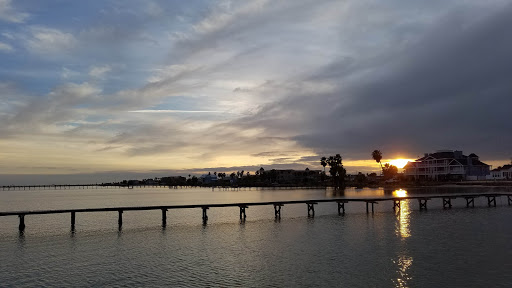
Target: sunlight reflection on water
point(403, 261)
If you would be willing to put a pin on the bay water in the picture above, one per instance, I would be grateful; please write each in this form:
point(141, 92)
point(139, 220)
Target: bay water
point(458, 247)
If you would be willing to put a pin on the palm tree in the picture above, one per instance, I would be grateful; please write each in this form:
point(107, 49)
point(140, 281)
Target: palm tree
point(377, 156)
point(323, 162)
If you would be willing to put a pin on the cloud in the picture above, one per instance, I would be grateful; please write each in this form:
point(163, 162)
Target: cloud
point(46, 114)
point(99, 71)
point(67, 73)
point(264, 82)
point(10, 14)
point(5, 47)
point(446, 89)
point(49, 41)
point(175, 111)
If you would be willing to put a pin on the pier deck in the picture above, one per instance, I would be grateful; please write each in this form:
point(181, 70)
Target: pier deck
point(422, 200)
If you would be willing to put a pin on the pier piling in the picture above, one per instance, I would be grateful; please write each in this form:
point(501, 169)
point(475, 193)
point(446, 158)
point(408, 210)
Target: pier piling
point(205, 217)
point(243, 216)
point(341, 207)
point(73, 221)
point(120, 220)
point(491, 200)
point(423, 203)
point(447, 202)
point(470, 201)
point(164, 217)
point(311, 209)
point(22, 222)
point(277, 210)
point(396, 205)
point(370, 202)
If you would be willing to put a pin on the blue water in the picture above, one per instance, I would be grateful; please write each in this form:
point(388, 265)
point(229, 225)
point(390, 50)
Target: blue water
point(458, 247)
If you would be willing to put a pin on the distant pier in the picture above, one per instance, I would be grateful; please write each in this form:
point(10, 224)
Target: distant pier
point(102, 186)
point(278, 205)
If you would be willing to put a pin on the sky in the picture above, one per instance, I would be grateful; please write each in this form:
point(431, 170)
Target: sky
point(94, 91)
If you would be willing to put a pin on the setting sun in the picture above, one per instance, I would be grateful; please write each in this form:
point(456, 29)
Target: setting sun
point(399, 163)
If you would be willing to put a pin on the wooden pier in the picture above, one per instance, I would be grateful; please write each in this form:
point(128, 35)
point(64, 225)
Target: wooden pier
point(422, 200)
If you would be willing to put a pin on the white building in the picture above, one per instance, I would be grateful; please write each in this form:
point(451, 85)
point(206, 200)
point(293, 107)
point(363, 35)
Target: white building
point(502, 173)
point(447, 165)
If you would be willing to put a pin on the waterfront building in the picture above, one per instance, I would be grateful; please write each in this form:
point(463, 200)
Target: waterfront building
point(208, 178)
point(447, 165)
point(502, 173)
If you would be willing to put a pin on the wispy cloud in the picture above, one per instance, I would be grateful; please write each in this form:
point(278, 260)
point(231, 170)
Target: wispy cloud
point(4, 47)
point(10, 14)
point(44, 40)
point(99, 71)
point(176, 111)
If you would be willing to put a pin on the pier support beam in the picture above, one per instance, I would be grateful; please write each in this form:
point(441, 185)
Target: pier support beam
point(164, 217)
point(470, 201)
point(120, 219)
point(277, 210)
point(311, 209)
point(447, 202)
point(21, 227)
point(491, 200)
point(205, 217)
point(341, 207)
point(509, 199)
point(243, 216)
point(370, 202)
point(423, 203)
point(73, 221)
point(396, 205)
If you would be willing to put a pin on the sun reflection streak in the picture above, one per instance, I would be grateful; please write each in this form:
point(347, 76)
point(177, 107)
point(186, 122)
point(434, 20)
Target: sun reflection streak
point(404, 261)
point(403, 215)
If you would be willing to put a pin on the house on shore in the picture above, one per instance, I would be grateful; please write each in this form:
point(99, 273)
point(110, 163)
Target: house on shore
point(446, 165)
point(208, 178)
point(502, 173)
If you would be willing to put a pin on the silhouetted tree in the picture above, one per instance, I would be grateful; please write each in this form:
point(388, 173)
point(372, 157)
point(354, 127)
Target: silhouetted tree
point(323, 162)
point(389, 171)
point(377, 156)
point(336, 170)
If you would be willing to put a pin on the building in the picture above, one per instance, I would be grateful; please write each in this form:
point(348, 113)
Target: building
point(208, 178)
point(502, 173)
point(447, 165)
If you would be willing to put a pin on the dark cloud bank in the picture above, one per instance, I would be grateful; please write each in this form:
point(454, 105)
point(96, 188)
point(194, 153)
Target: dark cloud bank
point(450, 90)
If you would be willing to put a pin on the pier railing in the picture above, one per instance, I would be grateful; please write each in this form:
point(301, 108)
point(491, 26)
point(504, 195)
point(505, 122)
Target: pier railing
point(422, 201)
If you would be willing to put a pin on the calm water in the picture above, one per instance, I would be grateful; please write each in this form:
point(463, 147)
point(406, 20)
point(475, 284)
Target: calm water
point(457, 247)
